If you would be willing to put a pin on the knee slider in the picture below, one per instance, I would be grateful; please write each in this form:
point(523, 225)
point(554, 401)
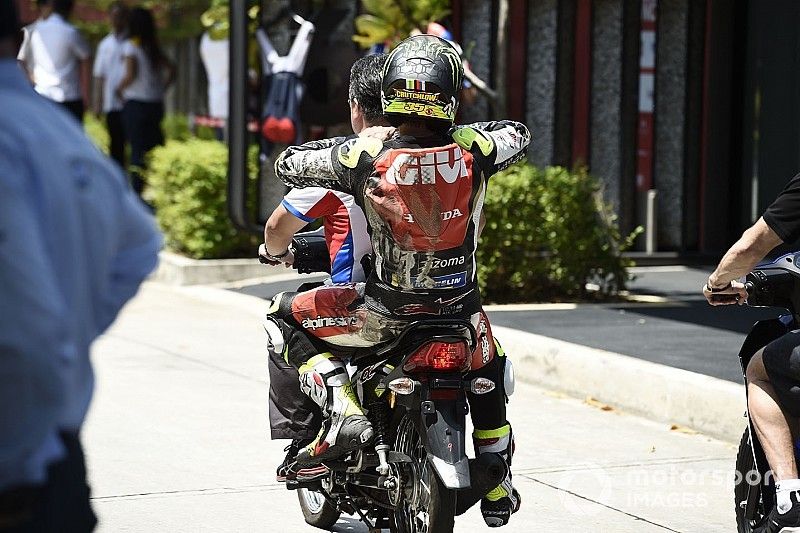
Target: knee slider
point(508, 369)
point(275, 339)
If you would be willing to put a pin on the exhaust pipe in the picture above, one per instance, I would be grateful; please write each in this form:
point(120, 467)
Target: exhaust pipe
point(485, 473)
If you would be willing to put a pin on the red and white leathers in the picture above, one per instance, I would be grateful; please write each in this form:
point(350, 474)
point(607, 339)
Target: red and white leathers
point(344, 224)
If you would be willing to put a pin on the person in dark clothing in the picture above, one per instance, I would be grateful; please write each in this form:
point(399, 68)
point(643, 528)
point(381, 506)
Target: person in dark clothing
point(109, 67)
point(148, 73)
point(773, 375)
point(292, 414)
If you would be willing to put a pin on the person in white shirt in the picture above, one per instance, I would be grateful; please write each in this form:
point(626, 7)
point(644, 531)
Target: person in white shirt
point(75, 244)
point(148, 73)
point(57, 58)
point(109, 67)
point(214, 53)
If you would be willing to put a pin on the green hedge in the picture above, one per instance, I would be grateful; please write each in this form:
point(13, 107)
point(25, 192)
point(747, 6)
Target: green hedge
point(547, 235)
point(96, 130)
point(187, 185)
point(175, 126)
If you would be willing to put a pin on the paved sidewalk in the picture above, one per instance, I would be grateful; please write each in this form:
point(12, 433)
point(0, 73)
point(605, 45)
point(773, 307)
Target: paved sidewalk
point(177, 439)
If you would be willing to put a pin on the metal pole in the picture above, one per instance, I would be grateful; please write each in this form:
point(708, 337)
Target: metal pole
point(237, 119)
point(651, 225)
point(500, 61)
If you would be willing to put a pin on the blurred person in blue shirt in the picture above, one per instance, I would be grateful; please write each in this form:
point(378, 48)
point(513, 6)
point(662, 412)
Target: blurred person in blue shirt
point(75, 244)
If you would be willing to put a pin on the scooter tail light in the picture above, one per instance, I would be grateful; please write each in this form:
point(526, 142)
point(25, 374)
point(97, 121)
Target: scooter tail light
point(439, 357)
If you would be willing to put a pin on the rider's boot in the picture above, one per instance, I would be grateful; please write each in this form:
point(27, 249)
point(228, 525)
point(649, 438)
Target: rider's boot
point(503, 500)
point(785, 522)
point(325, 380)
point(285, 469)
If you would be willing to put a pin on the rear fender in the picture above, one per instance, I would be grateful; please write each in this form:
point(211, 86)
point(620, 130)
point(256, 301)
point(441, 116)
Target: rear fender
point(442, 422)
point(762, 333)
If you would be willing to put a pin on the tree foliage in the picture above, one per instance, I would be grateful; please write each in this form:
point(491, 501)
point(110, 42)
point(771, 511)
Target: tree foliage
point(176, 20)
point(393, 20)
point(187, 184)
point(548, 235)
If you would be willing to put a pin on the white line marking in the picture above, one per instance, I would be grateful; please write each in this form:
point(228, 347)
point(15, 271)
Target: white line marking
point(531, 307)
point(657, 269)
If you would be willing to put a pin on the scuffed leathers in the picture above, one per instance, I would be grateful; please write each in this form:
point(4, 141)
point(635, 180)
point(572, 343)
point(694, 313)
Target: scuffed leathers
point(423, 198)
point(504, 500)
point(340, 316)
point(325, 380)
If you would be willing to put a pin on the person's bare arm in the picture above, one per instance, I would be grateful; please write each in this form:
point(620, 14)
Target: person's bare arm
point(278, 232)
point(755, 243)
point(97, 94)
point(131, 68)
point(86, 80)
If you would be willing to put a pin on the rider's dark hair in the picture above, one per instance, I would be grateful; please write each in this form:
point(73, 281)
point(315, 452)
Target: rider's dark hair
point(439, 127)
point(63, 7)
point(365, 84)
point(142, 27)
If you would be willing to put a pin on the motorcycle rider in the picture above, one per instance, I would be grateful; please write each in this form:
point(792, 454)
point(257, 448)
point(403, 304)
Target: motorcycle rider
point(422, 192)
point(773, 375)
point(292, 414)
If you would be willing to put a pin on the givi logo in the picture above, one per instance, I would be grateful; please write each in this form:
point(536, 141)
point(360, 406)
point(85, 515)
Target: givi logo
point(427, 168)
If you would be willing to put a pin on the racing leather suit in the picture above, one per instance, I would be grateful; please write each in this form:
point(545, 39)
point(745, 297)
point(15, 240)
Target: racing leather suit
point(423, 198)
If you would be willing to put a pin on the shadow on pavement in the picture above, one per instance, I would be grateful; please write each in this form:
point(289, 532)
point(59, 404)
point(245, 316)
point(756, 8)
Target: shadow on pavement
point(347, 524)
point(738, 319)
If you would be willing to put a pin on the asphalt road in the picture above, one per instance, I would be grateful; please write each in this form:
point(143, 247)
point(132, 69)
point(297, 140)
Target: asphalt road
point(685, 332)
point(177, 440)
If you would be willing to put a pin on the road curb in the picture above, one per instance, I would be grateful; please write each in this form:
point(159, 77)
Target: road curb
point(174, 269)
point(708, 405)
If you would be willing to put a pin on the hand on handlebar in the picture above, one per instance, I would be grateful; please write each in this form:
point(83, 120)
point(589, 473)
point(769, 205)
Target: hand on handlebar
point(288, 260)
point(266, 259)
point(736, 293)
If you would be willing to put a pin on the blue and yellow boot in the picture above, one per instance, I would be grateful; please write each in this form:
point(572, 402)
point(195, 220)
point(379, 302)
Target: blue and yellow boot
point(325, 380)
point(503, 500)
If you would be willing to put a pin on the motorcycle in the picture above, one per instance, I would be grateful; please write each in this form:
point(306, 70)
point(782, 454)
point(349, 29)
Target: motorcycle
point(771, 284)
point(415, 477)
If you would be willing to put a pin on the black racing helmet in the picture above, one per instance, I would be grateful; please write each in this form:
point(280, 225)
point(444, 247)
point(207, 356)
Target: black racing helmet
point(422, 79)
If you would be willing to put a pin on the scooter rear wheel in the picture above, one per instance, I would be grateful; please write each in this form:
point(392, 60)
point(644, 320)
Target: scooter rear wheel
point(746, 494)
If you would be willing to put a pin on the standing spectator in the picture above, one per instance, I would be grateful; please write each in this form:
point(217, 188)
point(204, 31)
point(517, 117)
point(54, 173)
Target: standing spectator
point(75, 244)
point(214, 46)
point(148, 72)
point(214, 53)
point(57, 57)
point(43, 10)
point(109, 68)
